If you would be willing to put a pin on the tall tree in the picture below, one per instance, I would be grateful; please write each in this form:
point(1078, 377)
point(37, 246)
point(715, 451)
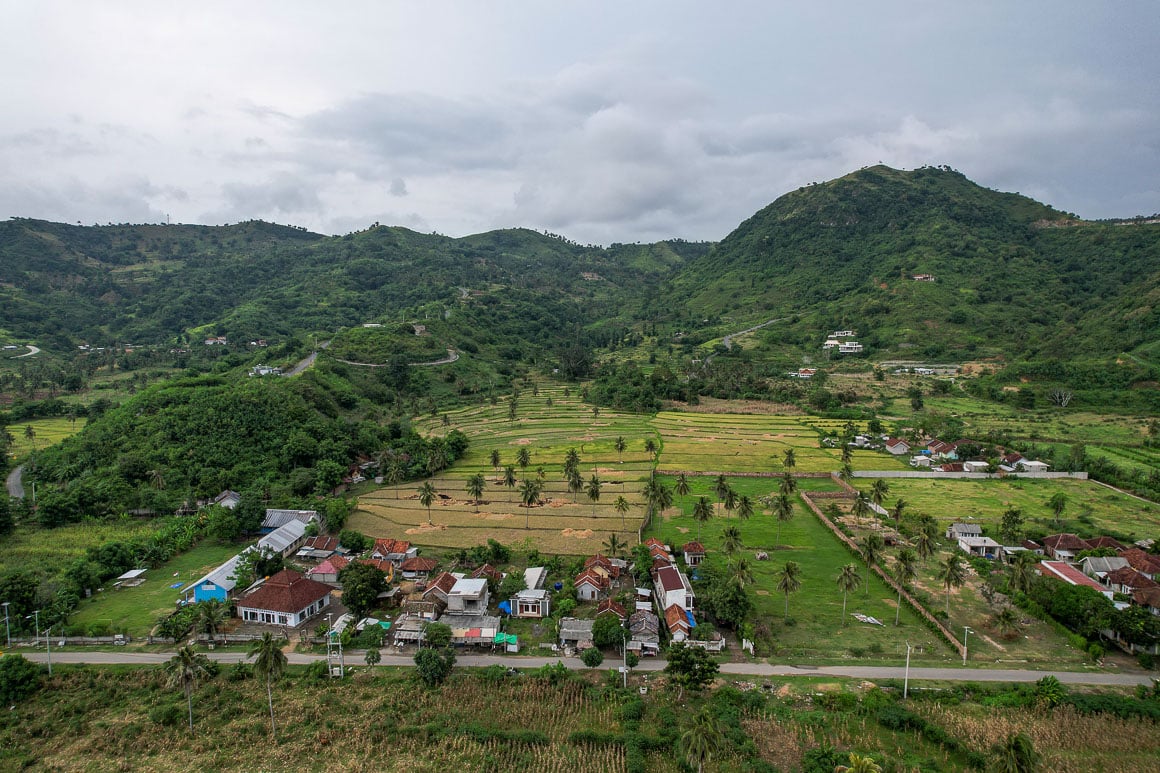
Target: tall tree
point(862, 506)
point(1057, 503)
point(524, 458)
point(184, 669)
point(702, 739)
point(924, 544)
point(575, 483)
point(530, 496)
point(210, 616)
point(509, 479)
point(730, 500)
point(787, 485)
point(896, 513)
point(621, 506)
point(620, 445)
point(427, 497)
point(593, 491)
point(741, 572)
point(475, 486)
point(571, 461)
point(270, 664)
point(1023, 570)
point(720, 487)
point(904, 572)
point(613, 545)
point(682, 486)
point(495, 461)
point(783, 511)
point(848, 580)
point(789, 581)
point(730, 540)
point(952, 575)
point(650, 448)
point(744, 507)
point(878, 491)
point(1011, 527)
point(872, 546)
point(789, 459)
point(702, 512)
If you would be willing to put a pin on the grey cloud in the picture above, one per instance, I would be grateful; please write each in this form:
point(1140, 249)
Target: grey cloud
point(398, 187)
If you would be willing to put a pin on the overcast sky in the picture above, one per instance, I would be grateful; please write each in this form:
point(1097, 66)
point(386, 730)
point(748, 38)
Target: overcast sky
point(601, 121)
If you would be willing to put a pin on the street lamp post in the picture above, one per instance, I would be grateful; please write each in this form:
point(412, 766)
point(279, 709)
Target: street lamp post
point(7, 627)
point(48, 648)
point(36, 616)
point(906, 677)
point(966, 630)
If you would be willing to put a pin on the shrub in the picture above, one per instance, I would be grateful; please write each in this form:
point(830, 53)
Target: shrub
point(592, 657)
point(240, 672)
point(167, 715)
point(1146, 660)
point(19, 678)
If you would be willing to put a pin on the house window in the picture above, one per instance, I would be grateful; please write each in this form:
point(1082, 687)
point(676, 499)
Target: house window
point(282, 619)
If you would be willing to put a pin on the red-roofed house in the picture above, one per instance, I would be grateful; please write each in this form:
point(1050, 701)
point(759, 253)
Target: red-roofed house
point(489, 572)
point(1149, 598)
point(608, 605)
point(590, 584)
point(694, 553)
point(394, 550)
point(1142, 562)
point(1126, 579)
point(319, 547)
point(897, 446)
point(419, 567)
point(328, 570)
point(439, 588)
point(670, 586)
point(677, 621)
point(1065, 572)
point(1063, 547)
point(943, 450)
point(1105, 542)
point(287, 599)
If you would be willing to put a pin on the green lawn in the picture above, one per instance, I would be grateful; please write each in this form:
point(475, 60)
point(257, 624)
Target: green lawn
point(49, 550)
point(135, 610)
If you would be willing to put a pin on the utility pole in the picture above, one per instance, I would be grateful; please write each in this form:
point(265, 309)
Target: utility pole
point(906, 678)
point(966, 630)
point(7, 627)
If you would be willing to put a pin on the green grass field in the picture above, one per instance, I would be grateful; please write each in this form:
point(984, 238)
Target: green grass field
point(46, 432)
point(49, 550)
point(135, 610)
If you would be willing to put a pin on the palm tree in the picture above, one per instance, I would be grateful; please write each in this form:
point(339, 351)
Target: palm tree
point(650, 448)
point(529, 495)
point(848, 580)
point(730, 539)
point(744, 507)
point(896, 513)
point(787, 485)
point(924, 544)
point(789, 460)
point(621, 506)
point(952, 575)
point(847, 454)
point(859, 763)
point(1058, 503)
point(571, 460)
point(426, 497)
point(861, 506)
point(702, 512)
point(593, 491)
point(878, 491)
point(682, 486)
point(846, 472)
point(1022, 571)
point(509, 479)
point(575, 483)
point(721, 486)
point(742, 573)
point(395, 474)
point(904, 572)
point(872, 545)
point(210, 615)
point(523, 458)
point(730, 500)
point(1006, 621)
point(702, 740)
point(184, 669)
point(658, 497)
point(495, 461)
point(1016, 755)
point(269, 662)
point(783, 509)
point(29, 432)
point(157, 478)
point(789, 581)
point(620, 445)
point(613, 545)
point(475, 487)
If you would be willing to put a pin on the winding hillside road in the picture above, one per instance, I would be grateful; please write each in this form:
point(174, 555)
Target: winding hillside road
point(15, 486)
point(31, 351)
point(355, 658)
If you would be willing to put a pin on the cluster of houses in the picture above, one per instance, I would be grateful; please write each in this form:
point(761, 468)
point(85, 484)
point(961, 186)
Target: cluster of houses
point(942, 456)
point(835, 341)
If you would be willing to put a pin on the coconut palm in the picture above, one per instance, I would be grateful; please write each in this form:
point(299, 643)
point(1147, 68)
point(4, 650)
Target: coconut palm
point(475, 487)
point(395, 474)
point(702, 512)
point(210, 616)
point(621, 506)
point(878, 491)
point(789, 581)
point(529, 495)
point(269, 663)
point(509, 479)
point(650, 448)
point(871, 545)
point(702, 740)
point(951, 574)
point(593, 491)
point(924, 545)
point(904, 572)
point(613, 545)
point(575, 483)
point(846, 472)
point(1023, 571)
point(658, 497)
point(523, 458)
point(848, 580)
point(847, 454)
point(730, 539)
point(682, 486)
point(896, 513)
point(730, 500)
point(861, 506)
point(571, 461)
point(184, 669)
point(721, 486)
point(744, 507)
point(426, 497)
point(787, 484)
point(859, 763)
point(29, 432)
point(741, 572)
point(1058, 503)
point(788, 459)
point(1016, 755)
point(783, 510)
point(1006, 621)
point(157, 478)
point(495, 461)
point(620, 445)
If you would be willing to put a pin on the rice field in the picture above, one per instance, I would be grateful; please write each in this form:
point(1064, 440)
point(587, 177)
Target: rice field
point(45, 433)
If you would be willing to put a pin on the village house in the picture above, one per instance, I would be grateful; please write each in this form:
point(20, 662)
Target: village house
point(610, 606)
point(1126, 579)
point(487, 572)
point(227, 499)
point(276, 518)
point(590, 585)
point(318, 548)
point(535, 577)
point(418, 567)
point(671, 587)
point(975, 466)
point(575, 633)
point(958, 530)
point(394, 550)
point(1065, 572)
point(644, 633)
point(1097, 567)
point(217, 585)
point(694, 553)
point(468, 596)
point(897, 446)
point(983, 547)
point(1145, 563)
point(1063, 547)
point(943, 450)
point(849, 347)
point(287, 599)
point(440, 588)
point(679, 622)
point(1148, 598)
point(284, 540)
point(532, 602)
point(328, 570)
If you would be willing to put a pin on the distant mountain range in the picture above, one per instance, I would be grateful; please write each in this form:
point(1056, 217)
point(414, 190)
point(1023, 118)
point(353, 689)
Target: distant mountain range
point(922, 263)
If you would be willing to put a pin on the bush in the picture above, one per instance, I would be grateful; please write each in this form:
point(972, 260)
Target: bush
point(240, 672)
point(168, 715)
point(318, 671)
point(592, 657)
point(19, 678)
point(1146, 660)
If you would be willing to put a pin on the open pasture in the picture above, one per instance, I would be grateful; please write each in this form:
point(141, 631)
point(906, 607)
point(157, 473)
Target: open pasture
point(49, 550)
point(1091, 509)
point(45, 433)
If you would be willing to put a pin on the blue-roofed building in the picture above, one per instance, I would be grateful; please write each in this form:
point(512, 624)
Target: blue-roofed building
point(218, 584)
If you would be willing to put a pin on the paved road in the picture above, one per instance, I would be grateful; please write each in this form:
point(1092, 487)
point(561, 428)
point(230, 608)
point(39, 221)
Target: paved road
point(15, 487)
point(31, 351)
point(303, 364)
point(355, 657)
